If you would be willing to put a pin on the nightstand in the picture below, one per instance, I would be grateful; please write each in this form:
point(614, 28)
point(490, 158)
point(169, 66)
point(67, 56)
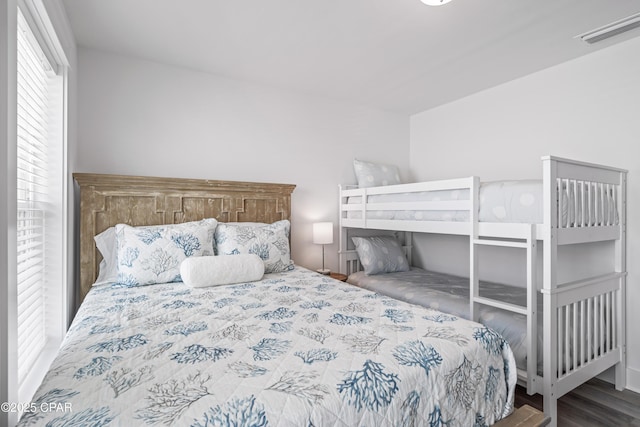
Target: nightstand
point(524, 416)
point(338, 276)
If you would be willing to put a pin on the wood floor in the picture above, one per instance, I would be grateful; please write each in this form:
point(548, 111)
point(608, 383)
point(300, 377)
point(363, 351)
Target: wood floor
point(595, 403)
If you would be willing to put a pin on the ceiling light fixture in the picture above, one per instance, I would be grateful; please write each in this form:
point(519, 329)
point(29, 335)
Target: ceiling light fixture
point(435, 2)
point(610, 30)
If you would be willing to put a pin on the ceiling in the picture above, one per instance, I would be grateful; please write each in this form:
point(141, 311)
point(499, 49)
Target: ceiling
point(397, 55)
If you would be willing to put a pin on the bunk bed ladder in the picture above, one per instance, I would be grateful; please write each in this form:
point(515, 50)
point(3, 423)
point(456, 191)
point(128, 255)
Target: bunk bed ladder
point(530, 310)
point(524, 237)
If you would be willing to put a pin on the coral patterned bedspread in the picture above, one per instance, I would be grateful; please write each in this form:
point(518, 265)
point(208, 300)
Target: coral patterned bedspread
point(294, 349)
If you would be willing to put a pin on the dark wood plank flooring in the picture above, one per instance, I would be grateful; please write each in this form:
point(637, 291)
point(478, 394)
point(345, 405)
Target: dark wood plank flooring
point(593, 404)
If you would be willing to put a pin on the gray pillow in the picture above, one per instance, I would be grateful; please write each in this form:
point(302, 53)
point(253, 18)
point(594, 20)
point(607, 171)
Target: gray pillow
point(380, 254)
point(375, 175)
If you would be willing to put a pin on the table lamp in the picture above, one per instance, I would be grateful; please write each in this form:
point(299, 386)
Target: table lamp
point(323, 235)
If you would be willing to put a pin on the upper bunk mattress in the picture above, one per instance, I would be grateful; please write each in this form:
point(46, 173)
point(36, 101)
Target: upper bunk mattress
point(500, 201)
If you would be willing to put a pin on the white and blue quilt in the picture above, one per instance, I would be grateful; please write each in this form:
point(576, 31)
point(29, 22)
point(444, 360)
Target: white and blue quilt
point(294, 349)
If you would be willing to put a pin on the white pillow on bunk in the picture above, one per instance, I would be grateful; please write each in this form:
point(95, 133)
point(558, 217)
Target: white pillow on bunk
point(380, 254)
point(374, 174)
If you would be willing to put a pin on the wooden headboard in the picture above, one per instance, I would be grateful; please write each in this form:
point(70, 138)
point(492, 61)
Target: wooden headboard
point(107, 200)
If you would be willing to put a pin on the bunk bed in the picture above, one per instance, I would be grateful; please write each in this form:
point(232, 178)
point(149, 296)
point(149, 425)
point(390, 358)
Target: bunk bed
point(583, 321)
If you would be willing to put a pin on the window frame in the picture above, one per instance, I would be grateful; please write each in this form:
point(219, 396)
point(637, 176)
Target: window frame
point(36, 17)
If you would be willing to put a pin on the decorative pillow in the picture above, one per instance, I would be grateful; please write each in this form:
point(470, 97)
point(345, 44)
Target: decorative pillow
point(375, 175)
point(380, 254)
point(204, 271)
point(269, 241)
point(106, 244)
point(148, 255)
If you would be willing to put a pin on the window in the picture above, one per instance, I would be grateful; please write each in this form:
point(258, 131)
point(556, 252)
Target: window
point(41, 204)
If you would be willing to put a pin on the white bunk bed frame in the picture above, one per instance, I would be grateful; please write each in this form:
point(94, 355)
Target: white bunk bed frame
point(583, 321)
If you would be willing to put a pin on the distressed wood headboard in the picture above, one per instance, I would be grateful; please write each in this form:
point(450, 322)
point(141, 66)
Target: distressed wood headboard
point(107, 200)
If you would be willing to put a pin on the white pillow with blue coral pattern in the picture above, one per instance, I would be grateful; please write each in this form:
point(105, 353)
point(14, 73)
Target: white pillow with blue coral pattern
point(152, 254)
point(269, 241)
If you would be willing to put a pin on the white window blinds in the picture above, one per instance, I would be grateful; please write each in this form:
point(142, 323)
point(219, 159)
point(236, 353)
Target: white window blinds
point(34, 82)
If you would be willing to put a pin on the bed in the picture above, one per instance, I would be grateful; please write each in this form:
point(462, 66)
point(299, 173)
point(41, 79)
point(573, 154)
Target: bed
point(293, 348)
point(582, 322)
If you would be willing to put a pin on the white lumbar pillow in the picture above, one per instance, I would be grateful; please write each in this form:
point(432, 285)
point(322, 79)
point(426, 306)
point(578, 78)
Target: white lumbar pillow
point(200, 272)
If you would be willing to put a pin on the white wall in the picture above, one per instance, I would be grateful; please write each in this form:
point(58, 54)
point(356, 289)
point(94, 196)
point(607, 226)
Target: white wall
point(587, 109)
point(144, 118)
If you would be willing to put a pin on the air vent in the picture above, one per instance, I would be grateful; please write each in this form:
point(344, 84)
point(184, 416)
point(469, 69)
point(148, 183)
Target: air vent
point(610, 30)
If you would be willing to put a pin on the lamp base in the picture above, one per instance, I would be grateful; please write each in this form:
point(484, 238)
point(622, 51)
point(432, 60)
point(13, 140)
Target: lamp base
point(324, 271)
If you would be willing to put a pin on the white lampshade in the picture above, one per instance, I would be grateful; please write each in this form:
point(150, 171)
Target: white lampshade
point(323, 233)
point(435, 2)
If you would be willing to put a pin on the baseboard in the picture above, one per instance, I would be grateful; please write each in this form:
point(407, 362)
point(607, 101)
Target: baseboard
point(609, 376)
point(633, 379)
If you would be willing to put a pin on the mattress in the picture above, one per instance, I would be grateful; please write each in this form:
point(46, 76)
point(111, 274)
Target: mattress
point(450, 294)
point(293, 349)
point(500, 201)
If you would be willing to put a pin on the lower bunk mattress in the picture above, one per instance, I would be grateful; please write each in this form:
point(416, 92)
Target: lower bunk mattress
point(293, 349)
point(450, 294)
